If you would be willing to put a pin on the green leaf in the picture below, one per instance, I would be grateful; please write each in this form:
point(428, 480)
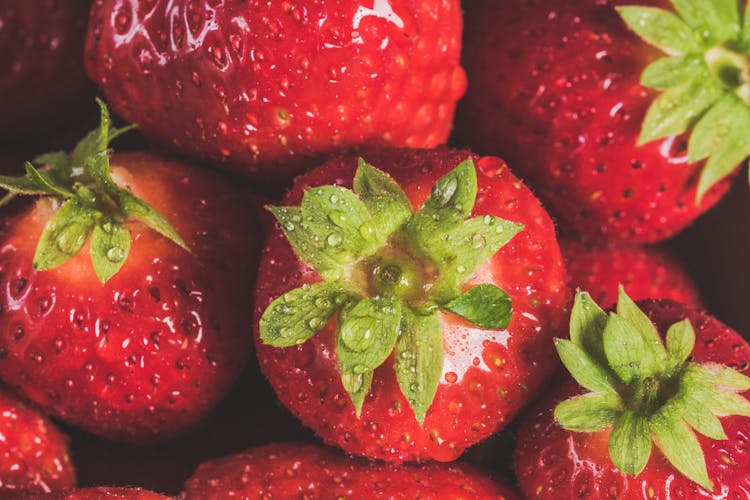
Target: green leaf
point(680, 343)
point(660, 28)
point(383, 197)
point(22, 185)
point(64, 235)
point(41, 180)
point(419, 359)
point(698, 416)
point(587, 322)
point(627, 352)
point(711, 129)
point(679, 445)
point(304, 242)
point(485, 306)
point(294, 317)
point(720, 375)
point(367, 334)
point(630, 443)
point(640, 322)
point(357, 385)
point(54, 159)
point(677, 109)
point(584, 369)
point(716, 20)
point(460, 251)
point(731, 147)
point(669, 72)
point(588, 413)
point(140, 210)
point(110, 245)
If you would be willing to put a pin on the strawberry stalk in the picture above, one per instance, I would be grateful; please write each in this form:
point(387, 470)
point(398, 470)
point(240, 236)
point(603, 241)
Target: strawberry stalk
point(387, 275)
point(91, 205)
point(647, 392)
point(704, 81)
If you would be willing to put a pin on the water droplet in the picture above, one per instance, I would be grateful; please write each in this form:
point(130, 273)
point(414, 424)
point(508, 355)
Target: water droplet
point(323, 303)
point(316, 323)
point(338, 218)
point(115, 254)
point(478, 241)
point(286, 332)
point(334, 239)
point(488, 220)
point(70, 239)
point(367, 230)
point(451, 377)
point(334, 199)
point(461, 269)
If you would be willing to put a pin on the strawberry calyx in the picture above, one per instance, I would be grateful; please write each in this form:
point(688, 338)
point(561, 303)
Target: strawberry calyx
point(647, 392)
point(387, 273)
point(91, 205)
point(705, 80)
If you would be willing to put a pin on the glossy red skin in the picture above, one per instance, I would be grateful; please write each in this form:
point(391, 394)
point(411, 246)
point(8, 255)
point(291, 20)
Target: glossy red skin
point(645, 272)
point(487, 374)
point(152, 351)
point(34, 456)
point(103, 492)
point(554, 89)
point(297, 470)
point(552, 463)
point(297, 82)
point(43, 84)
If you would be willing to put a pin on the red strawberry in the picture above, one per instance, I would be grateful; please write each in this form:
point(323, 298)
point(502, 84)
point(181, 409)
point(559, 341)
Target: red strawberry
point(439, 338)
point(293, 470)
point(131, 348)
point(263, 87)
point(34, 455)
point(43, 84)
point(102, 493)
point(649, 428)
point(567, 93)
point(645, 272)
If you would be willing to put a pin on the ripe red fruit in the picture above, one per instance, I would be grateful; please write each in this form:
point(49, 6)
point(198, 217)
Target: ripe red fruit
point(645, 272)
point(103, 492)
point(296, 470)
point(428, 354)
point(34, 455)
point(566, 92)
point(43, 84)
point(606, 451)
point(132, 347)
point(262, 88)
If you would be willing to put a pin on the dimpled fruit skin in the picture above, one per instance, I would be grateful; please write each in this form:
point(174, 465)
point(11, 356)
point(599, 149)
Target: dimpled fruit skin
point(296, 470)
point(568, 115)
point(645, 272)
point(43, 84)
point(487, 374)
point(103, 492)
point(263, 86)
point(34, 455)
point(154, 349)
point(552, 463)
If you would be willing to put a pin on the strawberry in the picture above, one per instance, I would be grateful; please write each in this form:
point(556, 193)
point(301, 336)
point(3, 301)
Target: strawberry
point(43, 85)
point(296, 470)
point(619, 140)
point(103, 492)
point(131, 347)
point(644, 272)
point(34, 455)
point(658, 423)
point(408, 336)
point(263, 87)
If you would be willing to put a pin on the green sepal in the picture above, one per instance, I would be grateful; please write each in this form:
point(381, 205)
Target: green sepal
point(677, 109)
point(419, 359)
point(47, 185)
point(629, 311)
point(485, 305)
point(680, 343)
point(630, 443)
point(385, 200)
point(589, 412)
point(297, 315)
point(660, 28)
point(627, 352)
point(721, 403)
point(679, 445)
point(669, 72)
point(587, 322)
point(357, 385)
point(744, 39)
point(64, 235)
point(710, 130)
point(138, 209)
point(110, 245)
point(715, 20)
point(584, 369)
point(367, 334)
point(55, 159)
point(720, 376)
point(698, 416)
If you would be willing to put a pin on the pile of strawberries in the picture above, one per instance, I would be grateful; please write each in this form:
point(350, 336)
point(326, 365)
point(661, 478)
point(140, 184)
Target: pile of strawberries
point(308, 273)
